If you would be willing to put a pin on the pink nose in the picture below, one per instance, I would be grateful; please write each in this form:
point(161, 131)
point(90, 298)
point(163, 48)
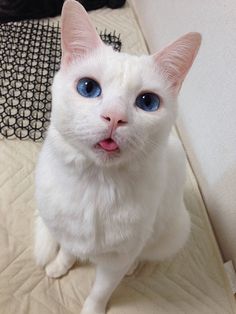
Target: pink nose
point(115, 119)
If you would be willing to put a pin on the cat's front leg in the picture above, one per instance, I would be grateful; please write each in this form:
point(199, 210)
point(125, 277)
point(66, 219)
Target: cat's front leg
point(45, 246)
point(61, 264)
point(108, 275)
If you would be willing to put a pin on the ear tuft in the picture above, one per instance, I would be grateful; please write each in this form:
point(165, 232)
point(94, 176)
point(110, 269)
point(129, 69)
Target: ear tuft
point(78, 35)
point(176, 59)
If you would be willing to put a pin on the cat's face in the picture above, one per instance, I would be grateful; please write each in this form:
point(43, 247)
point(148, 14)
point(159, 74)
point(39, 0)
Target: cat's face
point(103, 119)
point(111, 106)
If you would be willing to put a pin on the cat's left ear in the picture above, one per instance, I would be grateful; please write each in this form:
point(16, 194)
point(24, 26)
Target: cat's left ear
point(78, 35)
point(175, 60)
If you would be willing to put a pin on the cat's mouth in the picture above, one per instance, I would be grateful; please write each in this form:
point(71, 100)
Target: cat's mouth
point(109, 145)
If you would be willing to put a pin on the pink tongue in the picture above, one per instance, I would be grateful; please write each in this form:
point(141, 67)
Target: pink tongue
point(108, 144)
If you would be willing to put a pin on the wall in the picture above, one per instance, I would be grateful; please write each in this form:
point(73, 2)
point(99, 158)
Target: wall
point(207, 115)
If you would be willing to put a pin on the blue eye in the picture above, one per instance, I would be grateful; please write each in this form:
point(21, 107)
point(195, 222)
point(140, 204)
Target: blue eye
point(148, 102)
point(87, 87)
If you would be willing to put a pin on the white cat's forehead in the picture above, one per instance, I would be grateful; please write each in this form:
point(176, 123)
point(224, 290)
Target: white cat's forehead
point(130, 72)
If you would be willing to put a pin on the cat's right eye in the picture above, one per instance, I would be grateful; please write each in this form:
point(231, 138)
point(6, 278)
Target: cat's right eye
point(89, 88)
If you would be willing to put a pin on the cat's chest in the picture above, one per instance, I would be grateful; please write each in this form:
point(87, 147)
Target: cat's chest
point(92, 214)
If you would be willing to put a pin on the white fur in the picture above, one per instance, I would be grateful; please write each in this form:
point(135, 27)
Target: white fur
point(111, 209)
point(128, 205)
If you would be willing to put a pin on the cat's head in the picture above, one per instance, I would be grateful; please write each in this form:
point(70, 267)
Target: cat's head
point(113, 107)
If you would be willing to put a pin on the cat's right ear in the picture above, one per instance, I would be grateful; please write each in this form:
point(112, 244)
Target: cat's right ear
point(78, 35)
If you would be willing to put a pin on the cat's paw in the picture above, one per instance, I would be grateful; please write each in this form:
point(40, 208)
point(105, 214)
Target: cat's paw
point(44, 257)
point(56, 269)
point(91, 307)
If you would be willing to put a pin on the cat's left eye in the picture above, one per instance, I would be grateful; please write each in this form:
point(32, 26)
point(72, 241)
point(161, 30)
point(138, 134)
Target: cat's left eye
point(148, 102)
point(88, 87)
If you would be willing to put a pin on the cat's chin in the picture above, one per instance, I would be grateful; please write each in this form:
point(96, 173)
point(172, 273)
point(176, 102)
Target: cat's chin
point(107, 158)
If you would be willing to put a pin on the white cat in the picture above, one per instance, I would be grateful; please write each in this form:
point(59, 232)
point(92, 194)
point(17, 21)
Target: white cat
point(109, 180)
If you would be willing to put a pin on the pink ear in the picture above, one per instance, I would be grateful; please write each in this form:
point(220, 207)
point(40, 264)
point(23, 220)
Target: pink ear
point(176, 59)
point(78, 35)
